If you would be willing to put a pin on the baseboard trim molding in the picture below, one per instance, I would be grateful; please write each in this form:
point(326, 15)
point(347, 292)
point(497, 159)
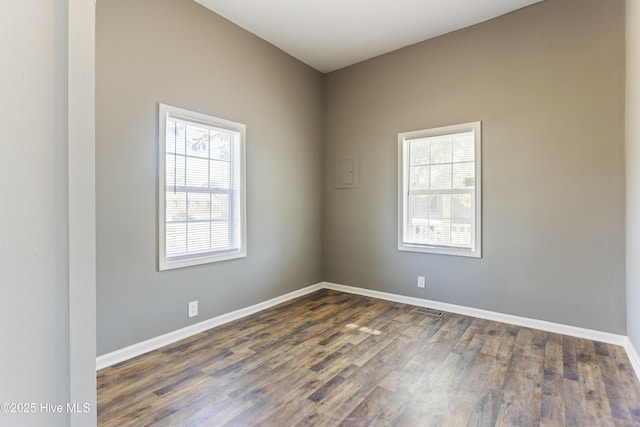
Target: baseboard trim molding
point(543, 325)
point(126, 353)
point(632, 354)
point(146, 346)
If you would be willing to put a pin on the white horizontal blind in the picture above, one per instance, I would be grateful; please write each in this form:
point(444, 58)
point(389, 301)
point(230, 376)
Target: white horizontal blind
point(439, 204)
point(203, 200)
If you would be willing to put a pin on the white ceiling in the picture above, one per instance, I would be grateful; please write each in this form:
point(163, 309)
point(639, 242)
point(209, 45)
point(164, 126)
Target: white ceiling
point(332, 34)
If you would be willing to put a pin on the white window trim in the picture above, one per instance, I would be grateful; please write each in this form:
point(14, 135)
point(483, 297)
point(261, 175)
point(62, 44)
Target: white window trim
point(163, 263)
point(403, 179)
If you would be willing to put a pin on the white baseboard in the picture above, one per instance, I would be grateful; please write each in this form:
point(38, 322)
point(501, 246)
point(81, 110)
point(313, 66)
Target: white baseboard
point(134, 350)
point(632, 354)
point(543, 325)
point(558, 328)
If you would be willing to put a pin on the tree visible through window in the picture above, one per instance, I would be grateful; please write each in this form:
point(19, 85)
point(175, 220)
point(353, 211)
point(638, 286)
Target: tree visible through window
point(439, 190)
point(201, 188)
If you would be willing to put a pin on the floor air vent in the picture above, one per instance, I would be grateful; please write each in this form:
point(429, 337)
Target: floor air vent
point(429, 311)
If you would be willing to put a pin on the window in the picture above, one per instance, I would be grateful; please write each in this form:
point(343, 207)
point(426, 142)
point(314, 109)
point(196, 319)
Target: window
point(439, 190)
point(201, 189)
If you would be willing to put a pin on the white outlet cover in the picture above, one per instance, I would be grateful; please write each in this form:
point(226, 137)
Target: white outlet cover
point(193, 309)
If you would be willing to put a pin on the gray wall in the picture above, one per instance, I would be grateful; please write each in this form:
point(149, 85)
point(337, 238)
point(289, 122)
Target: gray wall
point(633, 170)
point(179, 53)
point(547, 82)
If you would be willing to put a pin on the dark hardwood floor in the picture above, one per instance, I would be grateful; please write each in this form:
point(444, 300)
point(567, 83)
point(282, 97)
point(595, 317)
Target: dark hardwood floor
point(330, 359)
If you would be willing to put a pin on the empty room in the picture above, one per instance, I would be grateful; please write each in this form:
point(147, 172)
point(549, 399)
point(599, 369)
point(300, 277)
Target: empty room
point(321, 213)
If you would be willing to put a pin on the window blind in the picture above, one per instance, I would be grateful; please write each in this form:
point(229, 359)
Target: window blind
point(202, 190)
point(439, 194)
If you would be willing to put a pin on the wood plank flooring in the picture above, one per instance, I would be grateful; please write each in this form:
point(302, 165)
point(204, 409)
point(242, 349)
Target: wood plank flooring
point(335, 359)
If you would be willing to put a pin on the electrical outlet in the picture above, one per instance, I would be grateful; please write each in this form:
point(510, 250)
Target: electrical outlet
point(421, 281)
point(193, 309)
